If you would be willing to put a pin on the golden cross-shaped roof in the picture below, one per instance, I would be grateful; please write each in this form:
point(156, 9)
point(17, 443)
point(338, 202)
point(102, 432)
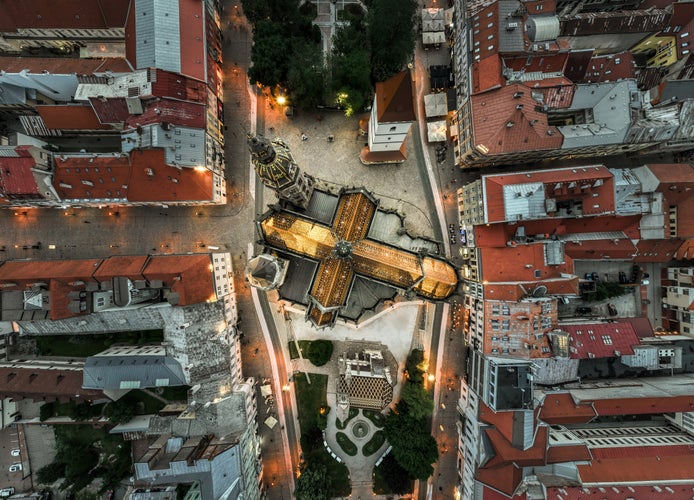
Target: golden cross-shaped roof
point(344, 250)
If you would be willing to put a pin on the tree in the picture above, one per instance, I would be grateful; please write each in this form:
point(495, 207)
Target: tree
point(413, 366)
point(270, 55)
point(351, 67)
point(396, 478)
point(46, 411)
point(320, 352)
point(119, 412)
point(306, 75)
point(413, 447)
point(49, 474)
point(312, 484)
point(417, 400)
point(391, 35)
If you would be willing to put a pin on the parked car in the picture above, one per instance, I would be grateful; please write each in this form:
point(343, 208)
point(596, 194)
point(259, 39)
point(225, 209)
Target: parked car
point(612, 309)
point(15, 467)
point(595, 276)
point(589, 276)
point(6, 492)
point(584, 310)
point(622, 277)
point(15, 452)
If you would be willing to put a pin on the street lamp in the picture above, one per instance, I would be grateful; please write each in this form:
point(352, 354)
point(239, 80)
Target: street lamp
point(281, 100)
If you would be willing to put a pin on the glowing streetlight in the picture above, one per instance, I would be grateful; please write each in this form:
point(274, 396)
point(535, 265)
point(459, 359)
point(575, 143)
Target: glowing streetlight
point(431, 377)
point(281, 100)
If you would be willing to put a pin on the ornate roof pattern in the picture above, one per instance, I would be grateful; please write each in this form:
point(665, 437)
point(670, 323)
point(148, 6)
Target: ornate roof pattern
point(273, 161)
point(344, 251)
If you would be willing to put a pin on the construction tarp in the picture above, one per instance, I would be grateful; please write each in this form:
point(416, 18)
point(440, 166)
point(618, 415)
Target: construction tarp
point(436, 131)
point(435, 104)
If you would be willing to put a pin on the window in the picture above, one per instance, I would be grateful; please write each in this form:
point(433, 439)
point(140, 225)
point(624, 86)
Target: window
point(392, 129)
point(607, 340)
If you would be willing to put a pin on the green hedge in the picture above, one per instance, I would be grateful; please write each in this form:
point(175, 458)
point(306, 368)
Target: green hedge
point(376, 417)
point(346, 444)
point(374, 444)
point(353, 412)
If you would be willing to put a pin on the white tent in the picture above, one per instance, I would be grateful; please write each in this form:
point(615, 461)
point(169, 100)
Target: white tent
point(435, 104)
point(432, 20)
point(271, 422)
point(433, 37)
point(266, 390)
point(436, 131)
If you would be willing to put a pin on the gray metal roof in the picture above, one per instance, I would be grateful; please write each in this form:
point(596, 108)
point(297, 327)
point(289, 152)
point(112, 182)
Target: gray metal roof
point(132, 372)
point(297, 283)
point(157, 32)
point(524, 201)
point(509, 40)
point(607, 108)
point(183, 146)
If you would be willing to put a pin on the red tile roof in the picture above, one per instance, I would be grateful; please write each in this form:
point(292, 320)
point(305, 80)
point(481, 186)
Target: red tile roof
point(64, 65)
point(568, 453)
point(128, 177)
point(643, 406)
point(686, 250)
point(486, 31)
point(560, 408)
point(42, 383)
point(638, 469)
point(180, 87)
point(642, 326)
point(509, 264)
point(672, 173)
point(505, 478)
point(130, 266)
point(671, 491)
point(188, 275)
point(505, 452)
point(167, 184)
point(556, 92)
point(601, 340)
point(504, 124)
point(542, 63)
point(486, 74)
point(185, 114)
point(658, 250)
point(621, 249)
point(395, 99)
point(113, 110)
point(641, 451)
point(73, 14)
point(559, 185)
point(16, 176)
point(577, 64)
point(70, 117)
point(192, 35)
point(24, 272)
point(514, 291)
point(610, 68)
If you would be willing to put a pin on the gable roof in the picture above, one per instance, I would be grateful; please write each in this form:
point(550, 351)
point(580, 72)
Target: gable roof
point(600, 340)
point(16, 175)
point(70, 117)
point(395, 99)
point(43, 383)
point(72, 14)
point(189, 276)
point(115, 266)
point(506, 120)
point(64, 65)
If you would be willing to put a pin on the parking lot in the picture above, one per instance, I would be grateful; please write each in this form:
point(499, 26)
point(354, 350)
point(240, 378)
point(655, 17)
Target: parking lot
point(621, 272)
point(11, 440)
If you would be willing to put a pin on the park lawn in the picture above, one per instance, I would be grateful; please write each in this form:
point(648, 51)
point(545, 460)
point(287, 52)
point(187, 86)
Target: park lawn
point(310, 398)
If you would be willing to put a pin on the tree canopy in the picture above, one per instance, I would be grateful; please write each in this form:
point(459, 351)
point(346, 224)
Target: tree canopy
point(312, 484)
point(391, 36)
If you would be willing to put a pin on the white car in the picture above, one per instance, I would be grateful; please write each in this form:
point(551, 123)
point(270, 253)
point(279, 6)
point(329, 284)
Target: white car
point(15, 467)
point(6, 492)
point(15, 453)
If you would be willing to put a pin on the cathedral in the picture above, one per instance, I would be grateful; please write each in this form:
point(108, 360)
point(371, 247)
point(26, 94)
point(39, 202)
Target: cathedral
point(342, 256)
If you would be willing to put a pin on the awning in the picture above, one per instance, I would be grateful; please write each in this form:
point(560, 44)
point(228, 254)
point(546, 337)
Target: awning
point(436, 131)
point(432, 20)
point(435, 104)
point(433, 37)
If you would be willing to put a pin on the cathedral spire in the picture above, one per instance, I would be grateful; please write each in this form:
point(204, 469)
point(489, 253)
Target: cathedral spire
point(276, 168)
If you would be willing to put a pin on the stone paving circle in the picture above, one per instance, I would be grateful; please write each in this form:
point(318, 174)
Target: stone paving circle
point(360, 429)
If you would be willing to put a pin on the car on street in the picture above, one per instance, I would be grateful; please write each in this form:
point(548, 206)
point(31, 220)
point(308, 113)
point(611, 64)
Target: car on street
point(15, 467)
point(15, 452)
point(584, 310)
point(6, 492)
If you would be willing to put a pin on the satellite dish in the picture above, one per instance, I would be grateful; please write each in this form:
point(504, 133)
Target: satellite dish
point(539, 291)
